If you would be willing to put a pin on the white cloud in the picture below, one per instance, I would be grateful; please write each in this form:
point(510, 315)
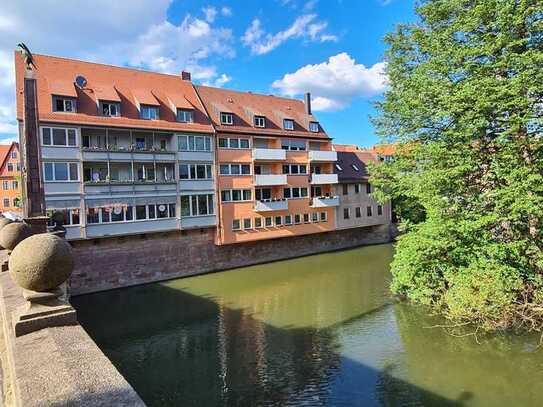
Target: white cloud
point(219, 82)
point(334, 83)
point(226, 11)
point(134, 33)
point(210, 13)
point(304, 26)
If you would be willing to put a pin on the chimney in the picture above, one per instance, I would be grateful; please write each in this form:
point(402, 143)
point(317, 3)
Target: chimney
point(185, 75)
point(308, 103)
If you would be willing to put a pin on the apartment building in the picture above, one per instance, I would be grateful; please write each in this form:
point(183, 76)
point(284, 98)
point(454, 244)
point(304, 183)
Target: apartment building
point(356, 206)
point(275, 166)
point(10, 170)
point(123, 151)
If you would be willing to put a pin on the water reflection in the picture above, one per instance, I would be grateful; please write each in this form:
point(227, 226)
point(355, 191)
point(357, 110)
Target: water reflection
point(316, 331)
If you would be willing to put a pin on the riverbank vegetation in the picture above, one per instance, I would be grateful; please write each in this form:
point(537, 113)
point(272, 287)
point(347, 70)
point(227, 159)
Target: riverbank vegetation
point(465, 107)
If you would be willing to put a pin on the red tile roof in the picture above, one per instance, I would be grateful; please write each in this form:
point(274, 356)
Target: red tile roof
point(346, 147)
point(245, 105)
point(56, 74)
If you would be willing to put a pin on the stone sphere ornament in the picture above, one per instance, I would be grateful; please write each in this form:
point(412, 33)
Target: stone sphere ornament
point(41, 262)
point(14, 233)
point(4, 221)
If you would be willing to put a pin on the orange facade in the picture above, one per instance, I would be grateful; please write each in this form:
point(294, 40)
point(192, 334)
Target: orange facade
point(10, 183)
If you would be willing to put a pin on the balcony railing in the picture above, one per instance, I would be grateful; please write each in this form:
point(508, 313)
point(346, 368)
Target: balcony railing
point(267, 205)
point(319, 179)
point(322, 156)
point(128, 149)
point(324, 201)
point(270, 179)
point(269, 154)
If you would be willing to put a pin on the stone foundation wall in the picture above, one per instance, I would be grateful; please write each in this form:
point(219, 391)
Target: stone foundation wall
point(115, 262)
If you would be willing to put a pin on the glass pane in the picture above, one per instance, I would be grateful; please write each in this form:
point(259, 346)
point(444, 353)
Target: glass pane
point(46, 137)
point(105, 215)
point(236, 195)
point(202, 204)
point(117, 214)
point(48, 173)
point(208, 171)
point(171, 210)
point(185, 206)
point(151, 209)
point(191, 143)
point(71, 137)
point(59, 137)
point(234, 143)
point(223, 142)
point(224, 169)
point(141, 212)
point(75, 216)
point(210, 206)
point(225, 196)
point(295, 193)
point(61, 171)
point(208, 143)
point(162, 211)
point(92, 215)
point(286, 169)
point(235, 169)
point(201, 171)
point(183, 171)
point(246, 194)
point(129, 212)
point(194, 205)
point(286, 193)
point(244, 143)
point(73, 172)
point(245, 169)
point(304, 192)
point(192, 171)
point(182, 143)
point(200, 145)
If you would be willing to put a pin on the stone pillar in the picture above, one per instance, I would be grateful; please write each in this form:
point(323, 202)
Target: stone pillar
point(32, 181)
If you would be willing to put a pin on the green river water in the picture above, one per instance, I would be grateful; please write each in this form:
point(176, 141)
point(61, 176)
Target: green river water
point(315, 331)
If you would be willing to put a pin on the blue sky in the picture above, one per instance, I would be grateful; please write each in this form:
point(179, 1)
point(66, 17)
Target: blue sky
point(333, 48)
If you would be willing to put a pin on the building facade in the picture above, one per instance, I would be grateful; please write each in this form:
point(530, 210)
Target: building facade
point(122, 151)
point(10, 170)
point(356, 206)
point(274, 167)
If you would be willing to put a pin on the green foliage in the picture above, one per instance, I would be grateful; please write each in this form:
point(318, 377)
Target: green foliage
point(465, 105)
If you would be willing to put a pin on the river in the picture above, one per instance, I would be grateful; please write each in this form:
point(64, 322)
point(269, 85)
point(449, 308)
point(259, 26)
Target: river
point(316, 331)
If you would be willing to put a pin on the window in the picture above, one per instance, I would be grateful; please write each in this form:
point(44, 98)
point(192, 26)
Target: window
point(195, 171)
point(148, 112)
point(288, 124)
point(197, 205)
point(193, 143)
point(368, 188)
point(356, 188)
point(235, 169)
point(6, 202)
point(60, 171)
point(338, 167)
point(234, 143)
point(262, 194)
point(294, 169)
point(314, 127)
point(227, 118)
point(316, 191)
point(369, 211)
point(379, 210)
point(295, 192)
point(10, 167)
point(110, 109)
point(61, 104)
point(236, 225)
point(306, 217)
point(293, 145)
point(345, 189)
point(297, 219)
point(59, 137)
point(14, 184)
point(358, 212)
point(185, 115)
point(14, 154)
point(315, 217)
point(247, 224)
point(278, 220)
point(260, 121)
point(346, 213)
point(258, 223)
point(231, 195)
point(268, 222)
point(288, 219)
point(70, 216)
point(5, 185)
point(355, 167)
point(323, 217)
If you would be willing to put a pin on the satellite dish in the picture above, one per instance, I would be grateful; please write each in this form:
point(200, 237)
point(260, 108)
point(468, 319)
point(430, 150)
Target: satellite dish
point(80, 81)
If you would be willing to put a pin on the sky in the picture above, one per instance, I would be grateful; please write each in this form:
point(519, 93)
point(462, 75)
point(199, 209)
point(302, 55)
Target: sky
point(331, 48)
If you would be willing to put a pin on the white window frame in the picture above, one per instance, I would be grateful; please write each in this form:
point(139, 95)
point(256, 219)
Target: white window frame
point(71, 216)
point(348, 213)
point(315, 217)
point(240, 166)
point(194, 212)
point(149, 108)
point(289, 222)
point(300, 218)
point(299, 193)
point(239, 139)
point(250, 227)
point(117, 105)
point(5, 185)
point(66, 130)
point(271, 222)
point(54, 163)
point(281, 223)
point(314, 127)
point(65, 102)
point(323, 218)
point(290, 126)
point(208, 171)
point(8, 203)
point(236, 228)
point(291, 145)
point(190, 142)
point(380, 209)
point(185, 115)
point(14, 154)
point(369, 211)
point(261, 222)
point(358, 212)
point(242, 194)
point(260, 121)
point(294, 165)
point(227, 118)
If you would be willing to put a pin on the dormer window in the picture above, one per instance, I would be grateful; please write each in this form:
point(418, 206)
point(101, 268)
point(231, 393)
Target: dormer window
point(227, 118)
point(112, 109)
point(148, 112)
point(288, 124)
point(314, 127)
point(185, 115)
point(63, 104)
point(260, 121)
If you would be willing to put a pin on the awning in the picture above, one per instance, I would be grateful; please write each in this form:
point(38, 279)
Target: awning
point(157, 200)
point(106, 92)
point(63, 204)
point(62, 88)
point(145, 97)
point(92, 203)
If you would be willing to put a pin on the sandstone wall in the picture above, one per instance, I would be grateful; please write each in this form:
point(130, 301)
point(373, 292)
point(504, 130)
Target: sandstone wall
point(115, 262)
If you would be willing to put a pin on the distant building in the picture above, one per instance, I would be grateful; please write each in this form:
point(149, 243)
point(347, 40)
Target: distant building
point(384, 152)
point(10, 171)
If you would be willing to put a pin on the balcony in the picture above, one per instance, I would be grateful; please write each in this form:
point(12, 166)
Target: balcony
point(324, 201)
point(322, 156)
point(270, 179)
point(269, 154)
point(320, 179)
point(268, 205)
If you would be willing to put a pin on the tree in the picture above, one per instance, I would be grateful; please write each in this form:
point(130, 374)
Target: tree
point(465, 105)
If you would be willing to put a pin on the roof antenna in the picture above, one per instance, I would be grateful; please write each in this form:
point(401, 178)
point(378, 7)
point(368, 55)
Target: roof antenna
point(27, 56)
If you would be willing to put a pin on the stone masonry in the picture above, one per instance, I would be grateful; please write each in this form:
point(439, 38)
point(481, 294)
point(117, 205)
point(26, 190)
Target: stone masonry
point(115, 262)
